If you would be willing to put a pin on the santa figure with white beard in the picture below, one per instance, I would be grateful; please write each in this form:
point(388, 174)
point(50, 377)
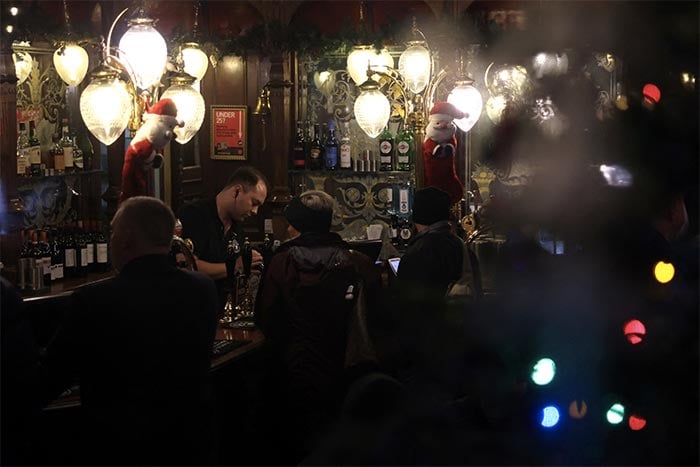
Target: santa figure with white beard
point(439, 149)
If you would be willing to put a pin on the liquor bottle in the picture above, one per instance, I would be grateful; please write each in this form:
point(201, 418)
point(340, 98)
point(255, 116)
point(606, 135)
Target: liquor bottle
point(34, 151)
point(78, 157)
point(56, 154)
point(405, 232)
point(332, 147)
point(67, 145)
point(81, 252)
point(86, 150)
point(299, 149)
point(22, 149)
point(403, 197)
point(23, 266)
point(386, 150)
point(85, 228)
point(316, 155)
point(45, 249)
point(57, 256)
point(69, 254)
point(394, 230)
point(405, 150)
point(36, 265)
point(101, 249)
point(345, 149)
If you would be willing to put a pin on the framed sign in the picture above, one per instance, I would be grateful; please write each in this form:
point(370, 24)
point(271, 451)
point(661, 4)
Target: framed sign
point(229, 130)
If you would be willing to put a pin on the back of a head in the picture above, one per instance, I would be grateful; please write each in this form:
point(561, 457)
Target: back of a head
point(247, 176)
point(430, 205)
point(150, 221)
point(311, 211)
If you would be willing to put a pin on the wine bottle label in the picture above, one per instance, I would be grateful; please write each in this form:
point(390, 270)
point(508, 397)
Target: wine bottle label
point(59, 162)
point(385, 151)
point(403, 147)
point(47, 266)
point(70, 258)
point(90, 253)
point(315, 153)
point(102, 253)
point(345, 156)
point(34, 154)
point(405, 233)
point(21, 165)
point(389, 195)
point(83, 257)
point(403, 201)
point(68, 156)
point(59, 271)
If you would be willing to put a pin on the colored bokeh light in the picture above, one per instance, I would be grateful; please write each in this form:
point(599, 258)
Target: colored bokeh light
point(543, 372)
point(615, 414)
point(664, 272)
point(637, 423)
point(652, 94)
point(577, 410)
point(550, 416)
point(634, 331)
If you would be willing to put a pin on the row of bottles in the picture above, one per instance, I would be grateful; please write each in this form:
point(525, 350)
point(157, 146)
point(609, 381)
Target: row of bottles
point(50, 255)
point(65, 156)
point(316, 152)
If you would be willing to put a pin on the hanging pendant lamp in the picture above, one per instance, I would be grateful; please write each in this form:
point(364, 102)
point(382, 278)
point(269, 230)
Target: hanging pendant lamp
point(144, 49)
point(105, 105)
point(71, 62)
point(189, 103)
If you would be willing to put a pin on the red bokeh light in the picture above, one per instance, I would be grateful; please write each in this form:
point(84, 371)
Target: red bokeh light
point(652, 94)
point(637, 423)
point(634, 331)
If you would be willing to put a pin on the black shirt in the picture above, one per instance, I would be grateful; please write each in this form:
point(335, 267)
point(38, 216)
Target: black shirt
point(201, 224)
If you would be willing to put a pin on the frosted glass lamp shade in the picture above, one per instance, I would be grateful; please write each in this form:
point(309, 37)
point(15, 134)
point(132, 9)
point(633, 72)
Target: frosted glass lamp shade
point(468, 99)
point(190, 109)
point(105, 106)
point(360, 56)
point(195, 60)
point(23, 66)
point(145, 51)
point(372, 111)
point(71, 62)
point(414, 66)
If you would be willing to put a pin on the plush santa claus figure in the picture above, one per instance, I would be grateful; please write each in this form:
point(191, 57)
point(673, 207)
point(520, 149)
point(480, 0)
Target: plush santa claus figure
point(144, 152)
point(439, 150)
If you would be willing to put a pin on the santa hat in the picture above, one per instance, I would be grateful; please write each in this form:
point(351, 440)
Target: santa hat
point(445, 111)
point(164, 110)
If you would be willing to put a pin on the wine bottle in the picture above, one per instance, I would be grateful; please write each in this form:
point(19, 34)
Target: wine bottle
point(332, 147)
point(316, 155)
point(23, 266)
point(405, 150)
point(67, 145)
point(45, 250)
point(299, 149)
point(81, 261)
point(69, 254)
point(34, 151)
point(89, 244)
point(22, 149)
point(345, 149)
point(57, 155)
point(101, 249)
point(57, 256)
point(386, 150)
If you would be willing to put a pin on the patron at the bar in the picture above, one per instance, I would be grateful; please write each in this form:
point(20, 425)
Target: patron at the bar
point(140, 344)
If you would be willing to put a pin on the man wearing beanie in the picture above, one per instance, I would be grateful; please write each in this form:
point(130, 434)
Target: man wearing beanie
point(433, 258)
point(308, 296)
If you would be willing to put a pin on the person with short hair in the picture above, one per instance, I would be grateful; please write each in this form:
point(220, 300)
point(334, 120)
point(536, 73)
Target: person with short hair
point(212, 223)
point(140, 345)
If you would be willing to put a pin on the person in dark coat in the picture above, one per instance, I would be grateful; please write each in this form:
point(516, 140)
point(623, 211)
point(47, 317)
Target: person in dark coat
point(140, 344)
point(308, 307)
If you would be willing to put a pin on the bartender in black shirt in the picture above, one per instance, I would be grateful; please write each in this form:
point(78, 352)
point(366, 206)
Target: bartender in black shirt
point(214, 222)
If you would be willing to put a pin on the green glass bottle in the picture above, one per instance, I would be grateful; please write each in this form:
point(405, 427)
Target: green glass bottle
point(386, 150)
point(405, 150)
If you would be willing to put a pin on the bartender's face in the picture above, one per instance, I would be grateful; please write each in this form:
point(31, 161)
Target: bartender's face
point(246, 203)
